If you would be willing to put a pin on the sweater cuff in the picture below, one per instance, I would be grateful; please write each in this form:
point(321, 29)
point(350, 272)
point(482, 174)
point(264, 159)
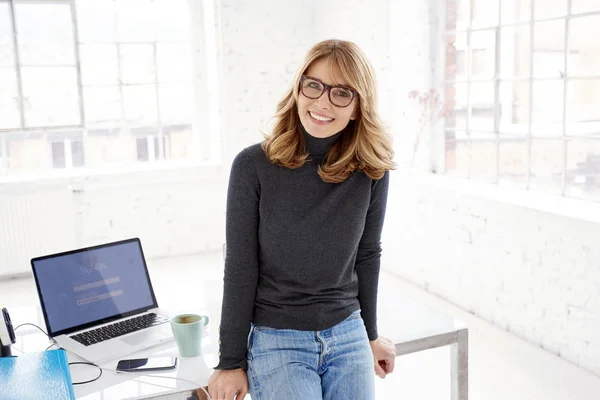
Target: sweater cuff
point(229, 364)
point(372, 332)
point(233, 349)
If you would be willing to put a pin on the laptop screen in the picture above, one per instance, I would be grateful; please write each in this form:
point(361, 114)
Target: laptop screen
point(90, 286)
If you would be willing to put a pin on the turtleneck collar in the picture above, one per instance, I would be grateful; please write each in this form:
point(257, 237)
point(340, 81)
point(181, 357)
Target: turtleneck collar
point(319, 146)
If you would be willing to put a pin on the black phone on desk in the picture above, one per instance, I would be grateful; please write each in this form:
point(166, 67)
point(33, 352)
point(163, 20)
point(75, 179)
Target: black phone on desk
point(147, 364)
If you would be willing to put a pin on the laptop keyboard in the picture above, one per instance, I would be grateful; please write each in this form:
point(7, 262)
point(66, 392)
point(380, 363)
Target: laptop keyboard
point(119, 329)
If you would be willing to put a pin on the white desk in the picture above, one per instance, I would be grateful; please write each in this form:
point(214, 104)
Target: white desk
point(131, 385)
point(113, 385)
point(408, 323)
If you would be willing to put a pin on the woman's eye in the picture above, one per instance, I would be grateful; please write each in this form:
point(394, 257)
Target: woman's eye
point(341, 93)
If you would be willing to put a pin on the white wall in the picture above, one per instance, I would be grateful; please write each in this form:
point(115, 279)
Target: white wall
point(531, 272)
point(262, 45)
point(173, 211)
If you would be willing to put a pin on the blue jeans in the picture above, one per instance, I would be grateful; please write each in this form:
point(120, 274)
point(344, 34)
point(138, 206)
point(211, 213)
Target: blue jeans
point(332, 364)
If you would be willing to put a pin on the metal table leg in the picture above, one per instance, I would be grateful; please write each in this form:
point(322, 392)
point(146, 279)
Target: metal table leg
point(460, 366)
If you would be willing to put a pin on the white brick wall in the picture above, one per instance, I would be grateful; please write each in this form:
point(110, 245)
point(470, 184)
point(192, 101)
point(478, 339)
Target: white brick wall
point(173, 212)
point(176, 212)
point(263, 43)
point(533, 273)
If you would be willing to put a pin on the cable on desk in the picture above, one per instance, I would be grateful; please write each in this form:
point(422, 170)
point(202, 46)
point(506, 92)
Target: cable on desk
point(28, 323)
point(34, 325)
point(86, 363)
point(137, 374)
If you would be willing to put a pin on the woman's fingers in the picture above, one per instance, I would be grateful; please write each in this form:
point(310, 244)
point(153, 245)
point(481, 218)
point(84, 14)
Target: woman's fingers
point(389, 364)
point(379, 369)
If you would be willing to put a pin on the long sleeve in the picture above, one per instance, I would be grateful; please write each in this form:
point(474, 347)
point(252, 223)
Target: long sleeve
point(241, 262)
point(368, 257)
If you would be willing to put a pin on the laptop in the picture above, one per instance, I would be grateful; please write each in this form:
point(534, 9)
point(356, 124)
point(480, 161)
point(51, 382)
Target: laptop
point(98, 302)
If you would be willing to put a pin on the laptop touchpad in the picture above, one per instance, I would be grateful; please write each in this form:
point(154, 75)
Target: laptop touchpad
point(145, 337)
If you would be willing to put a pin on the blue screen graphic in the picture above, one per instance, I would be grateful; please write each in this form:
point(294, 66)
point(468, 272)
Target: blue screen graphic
point(91, 285)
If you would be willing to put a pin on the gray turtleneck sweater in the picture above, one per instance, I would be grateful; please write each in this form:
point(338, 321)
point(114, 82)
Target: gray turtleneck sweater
point(301, 253)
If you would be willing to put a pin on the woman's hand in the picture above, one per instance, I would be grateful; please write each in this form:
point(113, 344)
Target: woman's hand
point(384, 355)
point(224, 384)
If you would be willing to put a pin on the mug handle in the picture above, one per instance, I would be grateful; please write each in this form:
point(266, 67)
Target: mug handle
point(205, 320)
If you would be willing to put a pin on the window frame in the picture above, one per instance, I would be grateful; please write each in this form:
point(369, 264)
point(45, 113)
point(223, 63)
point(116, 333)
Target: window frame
point(205, 123)
point(440, 33)
point(19, 65)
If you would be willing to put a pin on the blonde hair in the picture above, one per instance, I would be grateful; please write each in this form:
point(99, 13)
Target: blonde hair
point(366, 147)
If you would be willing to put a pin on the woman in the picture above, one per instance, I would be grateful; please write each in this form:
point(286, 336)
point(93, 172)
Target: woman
point(305, 210)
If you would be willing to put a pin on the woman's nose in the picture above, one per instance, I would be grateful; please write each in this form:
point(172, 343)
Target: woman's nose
point(323, 101)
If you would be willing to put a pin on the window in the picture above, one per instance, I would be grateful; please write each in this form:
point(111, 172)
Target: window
point(58, 155)
point(106, 68)
point(522, 94)
point(67, 152)
point(460, 62)
point(151, 148)
point(479, 66)
point(77, 157)
point(4, 156)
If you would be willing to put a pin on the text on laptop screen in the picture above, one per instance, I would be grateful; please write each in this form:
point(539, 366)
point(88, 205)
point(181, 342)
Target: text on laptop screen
point(91, 285)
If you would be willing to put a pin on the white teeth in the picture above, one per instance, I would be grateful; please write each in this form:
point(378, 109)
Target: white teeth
point(319, 118)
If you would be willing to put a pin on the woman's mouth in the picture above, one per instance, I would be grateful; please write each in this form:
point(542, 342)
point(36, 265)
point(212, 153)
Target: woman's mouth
point(319, 118)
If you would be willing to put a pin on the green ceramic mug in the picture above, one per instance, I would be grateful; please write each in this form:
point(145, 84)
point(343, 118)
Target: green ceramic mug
point(188, 330)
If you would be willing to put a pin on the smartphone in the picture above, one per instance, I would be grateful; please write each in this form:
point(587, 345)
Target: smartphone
point(147, 364)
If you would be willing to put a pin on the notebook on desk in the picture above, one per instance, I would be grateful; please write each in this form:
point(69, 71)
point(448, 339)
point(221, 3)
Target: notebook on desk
point(42, 375)
point(98, 302)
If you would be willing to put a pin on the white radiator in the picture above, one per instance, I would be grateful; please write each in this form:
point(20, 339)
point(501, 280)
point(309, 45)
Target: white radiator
point(34, 224)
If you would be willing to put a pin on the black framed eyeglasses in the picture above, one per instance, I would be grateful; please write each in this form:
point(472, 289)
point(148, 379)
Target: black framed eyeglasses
point(339, 96)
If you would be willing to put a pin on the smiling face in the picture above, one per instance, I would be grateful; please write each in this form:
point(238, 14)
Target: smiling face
point(319, 117)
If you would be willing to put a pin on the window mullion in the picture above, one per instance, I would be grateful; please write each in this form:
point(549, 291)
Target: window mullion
point(158, 115)
point(565, 81)
point(530, 122)
point(497, 90)
point(17, 64)
point(77, 61)
point(468, 75)
point(119, 72)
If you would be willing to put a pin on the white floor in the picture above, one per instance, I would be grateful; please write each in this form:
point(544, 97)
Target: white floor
point(501, 365)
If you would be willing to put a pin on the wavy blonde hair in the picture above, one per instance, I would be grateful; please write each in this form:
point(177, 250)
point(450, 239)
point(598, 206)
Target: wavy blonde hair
point(366, 147)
